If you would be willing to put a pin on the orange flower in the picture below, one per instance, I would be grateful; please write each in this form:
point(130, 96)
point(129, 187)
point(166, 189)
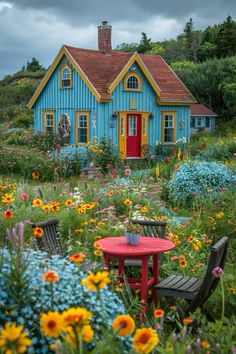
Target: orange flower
point(205, 344)
point(38, 231)
point(158, 313)
point(69, 202)
point(183, 263)
point(123, 325)
point(128, 202)
point(50, 276)
point(77, 258)
point(97, 245)
point(37, 202)
point(101, 223)
point(187, 320)
point(35, 175)
point(7, 214)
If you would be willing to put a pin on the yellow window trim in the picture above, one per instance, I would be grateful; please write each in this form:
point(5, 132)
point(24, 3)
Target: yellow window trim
point(65, 65)
point(45, 112)
point(135, 58)
point(84, 113)
point(63, 52)
point(139, 78)
point(165, 113)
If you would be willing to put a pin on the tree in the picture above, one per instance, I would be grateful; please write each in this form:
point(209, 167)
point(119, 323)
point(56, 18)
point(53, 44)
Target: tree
point(125, 47)
point(33, 65)
point(145, 44)
point(226, 39)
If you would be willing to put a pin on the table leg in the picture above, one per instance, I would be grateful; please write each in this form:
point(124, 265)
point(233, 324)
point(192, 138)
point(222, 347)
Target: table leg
point(121, 263)
point(155, 276)
point(106, 262)
point(144, 282)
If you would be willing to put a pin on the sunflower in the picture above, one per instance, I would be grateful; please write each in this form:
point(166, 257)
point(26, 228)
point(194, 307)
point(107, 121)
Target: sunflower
point(77, 258)
point(38, 231)
point(123, 325)
point(86, 333)
point(144, 340)
point(50, 276)
point(97, 281)
point(7, 198)
point(52, 324)
point(13, 339)
point(76, 316)
point(158, 313)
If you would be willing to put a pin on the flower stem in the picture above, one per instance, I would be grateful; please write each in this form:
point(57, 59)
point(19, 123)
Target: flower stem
point(223, 300)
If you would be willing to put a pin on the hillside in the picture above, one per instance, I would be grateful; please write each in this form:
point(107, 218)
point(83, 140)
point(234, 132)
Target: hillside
point(16, 91)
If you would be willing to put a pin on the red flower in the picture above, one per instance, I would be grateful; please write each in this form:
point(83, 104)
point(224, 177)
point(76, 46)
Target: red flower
point(7, 214)
point(35, 175)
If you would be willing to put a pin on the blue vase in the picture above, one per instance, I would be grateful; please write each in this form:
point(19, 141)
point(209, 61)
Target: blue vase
point(132, 239)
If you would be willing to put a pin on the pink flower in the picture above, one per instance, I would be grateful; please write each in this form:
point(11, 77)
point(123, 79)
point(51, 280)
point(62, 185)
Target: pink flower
point(217, 272)
point(209, 191)
point(91, 164)
point(57, 147)
point(222, 189)
point(128, 172)
point(24, 196)
point(194, 193)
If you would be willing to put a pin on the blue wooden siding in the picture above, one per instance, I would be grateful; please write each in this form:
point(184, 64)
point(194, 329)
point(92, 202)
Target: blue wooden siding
point(79, 97)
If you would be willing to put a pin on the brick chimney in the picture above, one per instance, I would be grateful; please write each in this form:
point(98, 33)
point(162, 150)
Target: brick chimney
point(104, 37)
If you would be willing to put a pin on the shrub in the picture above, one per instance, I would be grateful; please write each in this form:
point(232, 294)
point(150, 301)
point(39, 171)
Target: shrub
point(25, 296)
point(197, 178)
point(47, 142)
point(71, 154)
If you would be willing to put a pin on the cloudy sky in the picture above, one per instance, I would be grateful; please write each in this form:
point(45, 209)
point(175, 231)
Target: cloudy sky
point(38, 28)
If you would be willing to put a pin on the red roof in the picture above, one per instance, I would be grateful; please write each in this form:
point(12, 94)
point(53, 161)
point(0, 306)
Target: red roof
point(102, 69)
point(201, 110)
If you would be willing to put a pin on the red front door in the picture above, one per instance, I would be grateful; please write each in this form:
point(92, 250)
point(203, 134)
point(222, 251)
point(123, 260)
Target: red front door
point(133, 146)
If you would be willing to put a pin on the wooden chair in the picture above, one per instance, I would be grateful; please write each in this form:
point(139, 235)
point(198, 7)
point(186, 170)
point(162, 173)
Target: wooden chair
point(50, 242)
point(150, 228)
point(195, 291)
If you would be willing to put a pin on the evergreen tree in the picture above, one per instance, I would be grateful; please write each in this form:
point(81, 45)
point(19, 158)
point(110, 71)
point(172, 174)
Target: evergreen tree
point(226, 39)
point(145, 44)
point(33, 65)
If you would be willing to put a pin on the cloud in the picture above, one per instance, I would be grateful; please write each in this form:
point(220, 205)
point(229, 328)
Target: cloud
point(32, 28)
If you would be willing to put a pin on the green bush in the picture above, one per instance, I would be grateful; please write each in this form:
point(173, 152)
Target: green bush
point(47, 142)
point(24, 120)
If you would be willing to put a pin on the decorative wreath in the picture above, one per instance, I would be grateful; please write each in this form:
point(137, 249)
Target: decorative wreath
point(64, 125)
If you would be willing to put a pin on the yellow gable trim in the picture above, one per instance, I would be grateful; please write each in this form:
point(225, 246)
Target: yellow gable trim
point(139, 78)
point(43, 83)
point(135, 57)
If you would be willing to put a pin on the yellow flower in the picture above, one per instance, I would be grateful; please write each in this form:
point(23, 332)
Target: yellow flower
point(13, 339)
point(77, 258)
point(78, 316)
point(101, 223)
point(7, 198)
point(86, 332)
point(37, 202)
point(69, 202)
point(144, 210)
point(50, 276)
point(98, 253)
point(123, 325)
point(145, 340)
point(52, 324)
point(157, 171)
point(79, 231)
point(97, 281)
point(128, 202)
point(219, 215)
point(197, 245)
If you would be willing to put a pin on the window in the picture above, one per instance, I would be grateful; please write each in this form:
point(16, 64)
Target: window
point(49, 122)
point(65, 76)
point(82, 128)
point(132, 82)
point(132, 126)
point(207, 122)
point(168, 126)
point(200, 122)
point(144, 126)
point(192, 122)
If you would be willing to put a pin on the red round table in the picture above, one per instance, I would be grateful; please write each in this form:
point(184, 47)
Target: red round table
point(149, 246)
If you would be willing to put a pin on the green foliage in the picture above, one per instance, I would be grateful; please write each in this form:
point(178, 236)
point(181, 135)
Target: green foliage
point(24, 119)
point(47, 142)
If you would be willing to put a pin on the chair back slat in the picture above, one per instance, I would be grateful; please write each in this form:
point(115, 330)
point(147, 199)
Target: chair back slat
point(50, 242)
point(152, 228)
point(217, 259)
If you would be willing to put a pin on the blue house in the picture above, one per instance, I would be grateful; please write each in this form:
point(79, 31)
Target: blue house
point(202, 119)
point(133, 99)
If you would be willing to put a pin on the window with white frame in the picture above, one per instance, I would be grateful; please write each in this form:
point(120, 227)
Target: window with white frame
point(66, 77)
point(49, 122)
point(133, 83)
point(168, 128)
point(82, 128)
point(192, 122)
point(122, 126)
point(132, 126)
point(200, 122)
point(144, 126)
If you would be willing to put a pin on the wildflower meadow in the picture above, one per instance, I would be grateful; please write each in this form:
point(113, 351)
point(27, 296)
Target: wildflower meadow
point(72, 304)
